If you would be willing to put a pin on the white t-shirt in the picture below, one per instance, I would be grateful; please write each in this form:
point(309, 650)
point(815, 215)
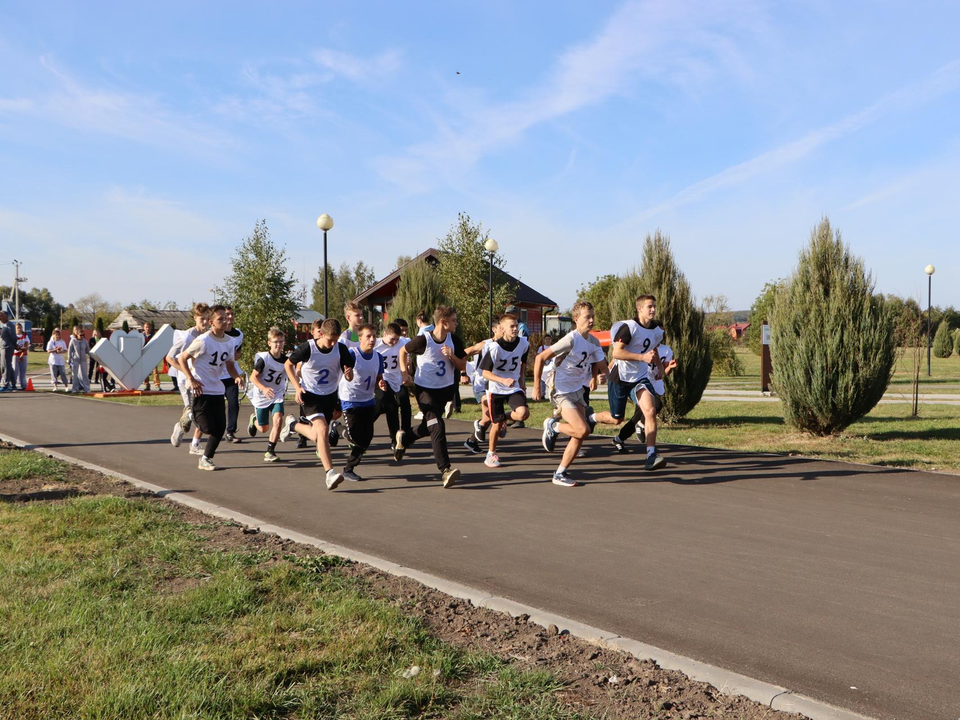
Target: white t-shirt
point(237, 342)
point(56, 358)
point(656, 379)
point(391, 362)
point(641, 340)
point(574, 356)
point(210, 357)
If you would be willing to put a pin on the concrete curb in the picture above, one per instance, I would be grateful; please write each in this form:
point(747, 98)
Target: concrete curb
point(728, 682)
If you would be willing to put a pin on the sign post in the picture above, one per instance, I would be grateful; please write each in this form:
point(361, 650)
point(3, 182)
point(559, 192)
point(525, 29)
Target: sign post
point(765, 359)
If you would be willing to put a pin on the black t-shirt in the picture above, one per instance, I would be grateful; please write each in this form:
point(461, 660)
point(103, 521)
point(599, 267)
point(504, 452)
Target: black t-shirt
point(418, 346)
point(486, 363)
point(302, 353)
point(259, 365)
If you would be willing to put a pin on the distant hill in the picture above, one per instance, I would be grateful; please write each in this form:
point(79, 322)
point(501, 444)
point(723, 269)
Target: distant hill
point(741, 316)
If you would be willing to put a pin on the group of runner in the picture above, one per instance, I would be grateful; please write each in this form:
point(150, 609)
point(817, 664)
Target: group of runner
point(344, 380)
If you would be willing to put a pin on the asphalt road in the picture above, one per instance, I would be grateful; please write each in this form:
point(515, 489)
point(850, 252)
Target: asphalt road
point(838, 581)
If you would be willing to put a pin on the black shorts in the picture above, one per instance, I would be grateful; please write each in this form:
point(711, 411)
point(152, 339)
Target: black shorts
point(316, 405)
point(515, 400)
point(210, 414)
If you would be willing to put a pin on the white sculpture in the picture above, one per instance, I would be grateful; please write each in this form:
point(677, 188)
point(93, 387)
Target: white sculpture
point(127, 360)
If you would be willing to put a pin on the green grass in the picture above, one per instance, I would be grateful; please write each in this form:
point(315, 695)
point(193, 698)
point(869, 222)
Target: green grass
point(23, 464)
point(113, 607)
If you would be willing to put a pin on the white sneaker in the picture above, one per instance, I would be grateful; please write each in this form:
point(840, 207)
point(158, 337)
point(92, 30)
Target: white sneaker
point(448, 409)
point(563, 480)
point(177, 436)
point(206, 464)
point(492, 461)
point(196, 449)
point(351, 476)
point(287, 430)
point(334, 478)
point(450, 476)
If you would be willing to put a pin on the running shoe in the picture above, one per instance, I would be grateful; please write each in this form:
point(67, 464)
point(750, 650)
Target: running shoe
point(581, 453)
point(177, 436)
point(301, 442)
point(287, 430)
point(230, 437)
point(448, 409)
point(206, 464)
point(400, 448)
point(563, 480)
point(450, 476)
point(619, 445)
point(641, 434)
point(472, 444)
point(270, 456)
point(654, 462)
point(549, 438)
point(333, 435)
point(252, 425)
point(333, 479)
point(186, 419)
point(351, 476)
point(479, 430)
point(196, 449)
point(492, 461)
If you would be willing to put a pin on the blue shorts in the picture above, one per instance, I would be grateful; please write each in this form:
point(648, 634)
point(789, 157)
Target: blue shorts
point(263, 414)
point(619, 392)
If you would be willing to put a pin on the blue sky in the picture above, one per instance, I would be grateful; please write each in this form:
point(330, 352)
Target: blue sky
point(140, 142)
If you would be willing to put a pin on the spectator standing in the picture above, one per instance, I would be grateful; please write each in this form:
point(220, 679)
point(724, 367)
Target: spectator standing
point(77, 355)
point(57, 349)
point(147, 337)
point(92, 365)
point(20, 357)
point(8, 343)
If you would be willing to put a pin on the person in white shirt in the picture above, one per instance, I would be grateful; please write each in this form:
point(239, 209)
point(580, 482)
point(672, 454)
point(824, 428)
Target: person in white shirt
point(57, 360)
point(268, 384)
point(576, 357)
point(205, 360)
point(394, 401)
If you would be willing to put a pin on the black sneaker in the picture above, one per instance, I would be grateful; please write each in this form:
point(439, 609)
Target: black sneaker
point(472, 444)
point(549, 439)
point(230, 437)
point(333, 435)
point(641, 434)
point(587, 413)
point(618, 444)
point(399, 449)
point(517, 424)
point(301, 442)
point(479, 430)
point(654, 462)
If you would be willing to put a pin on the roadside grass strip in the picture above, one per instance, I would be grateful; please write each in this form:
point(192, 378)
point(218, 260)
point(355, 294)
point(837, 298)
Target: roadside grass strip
point(113, 607)
point(23, 464)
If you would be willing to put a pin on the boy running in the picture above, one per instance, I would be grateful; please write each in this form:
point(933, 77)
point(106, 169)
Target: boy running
point(268, 382)
point(229, 387)
point(323, 361)
point(183, 339)
point(480, 390)
point(659, 388)
point(358, 398)
point(394, 401)
point(635, 344)
point(205, 360)
point(575, 358)
point(504, 366)
point(438, 353)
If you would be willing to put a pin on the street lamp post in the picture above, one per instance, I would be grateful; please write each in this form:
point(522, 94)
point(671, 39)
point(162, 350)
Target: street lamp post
point(491, 246)
point(325, 222)
point(929, 270)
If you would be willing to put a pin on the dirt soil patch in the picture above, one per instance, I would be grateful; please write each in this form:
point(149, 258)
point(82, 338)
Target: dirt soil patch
point(602, 681)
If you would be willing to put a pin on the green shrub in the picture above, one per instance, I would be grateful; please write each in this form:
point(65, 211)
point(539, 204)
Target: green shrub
point(943, 341)
point(724, 355)
point(832, 339)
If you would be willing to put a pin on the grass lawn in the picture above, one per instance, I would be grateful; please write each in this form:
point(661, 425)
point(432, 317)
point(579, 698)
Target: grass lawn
point(115, 607)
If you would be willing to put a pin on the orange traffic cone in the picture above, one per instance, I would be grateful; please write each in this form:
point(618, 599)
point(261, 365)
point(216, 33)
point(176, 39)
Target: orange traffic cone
point(30, 385)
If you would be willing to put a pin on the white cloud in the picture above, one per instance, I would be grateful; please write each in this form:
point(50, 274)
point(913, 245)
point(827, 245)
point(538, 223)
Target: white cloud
point(676, 44)
point(943, 81)
point(357, 69)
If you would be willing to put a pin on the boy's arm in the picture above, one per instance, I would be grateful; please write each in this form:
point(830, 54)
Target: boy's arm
point(538, 362)
point(475, 348)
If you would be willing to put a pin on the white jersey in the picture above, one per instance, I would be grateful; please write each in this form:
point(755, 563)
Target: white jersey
point(433, 369)
point(237, 342)
point(506, 364)
point(574, 362)
point(656, 378)
point(210, 356)
point(641, 340)
point(473, 369)
point(321, 374)
point(273, 375)
point(391, 362)
point(362, 388)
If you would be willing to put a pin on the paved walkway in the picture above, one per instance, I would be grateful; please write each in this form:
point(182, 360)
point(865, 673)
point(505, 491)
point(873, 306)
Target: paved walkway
point(837, 581)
